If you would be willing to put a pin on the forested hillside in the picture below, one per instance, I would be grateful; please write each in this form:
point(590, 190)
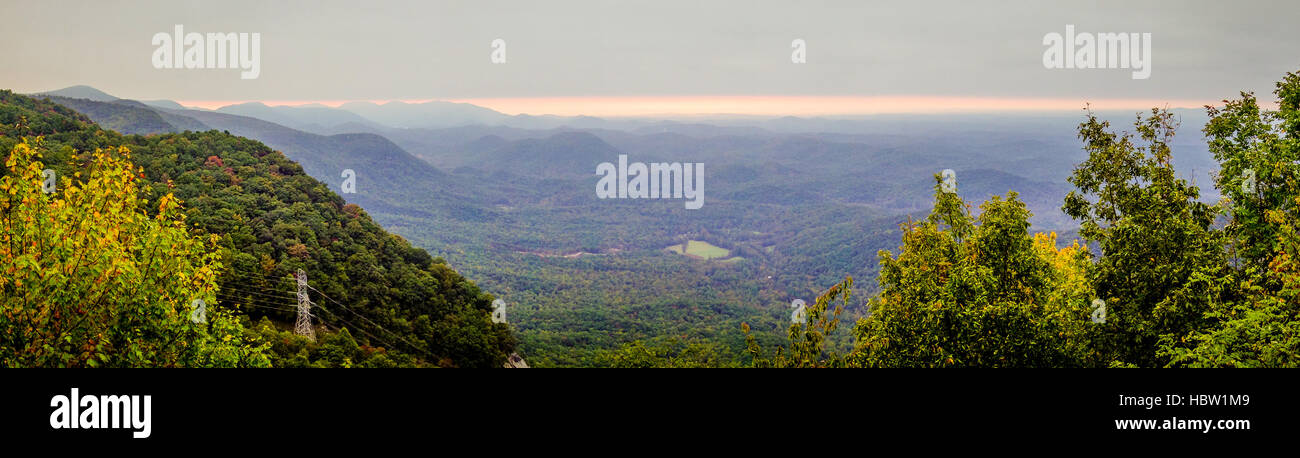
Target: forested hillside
point(379, 300)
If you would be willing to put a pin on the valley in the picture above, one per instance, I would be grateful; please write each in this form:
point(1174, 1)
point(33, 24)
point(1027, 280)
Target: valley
point(794, 206)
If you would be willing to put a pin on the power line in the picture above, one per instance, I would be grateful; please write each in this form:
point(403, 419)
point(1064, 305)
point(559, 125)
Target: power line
point(259, 280)
point(354, 312)
point(354, 326)
point(244, 301)
point(245, 290)
point(285, 277)
point(235, 292)
point(281, 309)
point(363, 317)
point(257, 294)
point(268, 294)
point(253, 298)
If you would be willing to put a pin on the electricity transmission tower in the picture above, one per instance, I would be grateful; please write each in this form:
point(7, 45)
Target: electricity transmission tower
point(303, 326)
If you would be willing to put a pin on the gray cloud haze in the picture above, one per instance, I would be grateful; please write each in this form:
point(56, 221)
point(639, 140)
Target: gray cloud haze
point(347, 50)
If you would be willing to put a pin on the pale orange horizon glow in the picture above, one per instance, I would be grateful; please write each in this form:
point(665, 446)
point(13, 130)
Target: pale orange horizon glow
point(642, 106)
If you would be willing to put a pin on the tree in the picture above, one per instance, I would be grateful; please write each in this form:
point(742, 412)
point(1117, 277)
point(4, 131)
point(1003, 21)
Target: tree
point(1162, 266)
point(807, 340)
point(1258, 151)
point(967, 291)
point(91, 280)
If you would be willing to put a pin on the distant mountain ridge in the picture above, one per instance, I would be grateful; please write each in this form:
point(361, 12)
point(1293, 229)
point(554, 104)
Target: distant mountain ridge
point(385, 171)
point(79, 92)
point(315, 119)
point(428, 114)
point(131, 117)
point(564, 154)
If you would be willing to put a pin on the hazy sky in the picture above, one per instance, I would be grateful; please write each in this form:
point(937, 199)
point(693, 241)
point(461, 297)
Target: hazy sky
point(918, 52)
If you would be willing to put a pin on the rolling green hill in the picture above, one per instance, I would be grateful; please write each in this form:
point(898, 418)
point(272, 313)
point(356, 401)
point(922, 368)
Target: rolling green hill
point(403, 306)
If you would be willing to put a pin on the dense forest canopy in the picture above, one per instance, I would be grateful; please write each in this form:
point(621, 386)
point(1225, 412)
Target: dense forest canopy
point(390, 303)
